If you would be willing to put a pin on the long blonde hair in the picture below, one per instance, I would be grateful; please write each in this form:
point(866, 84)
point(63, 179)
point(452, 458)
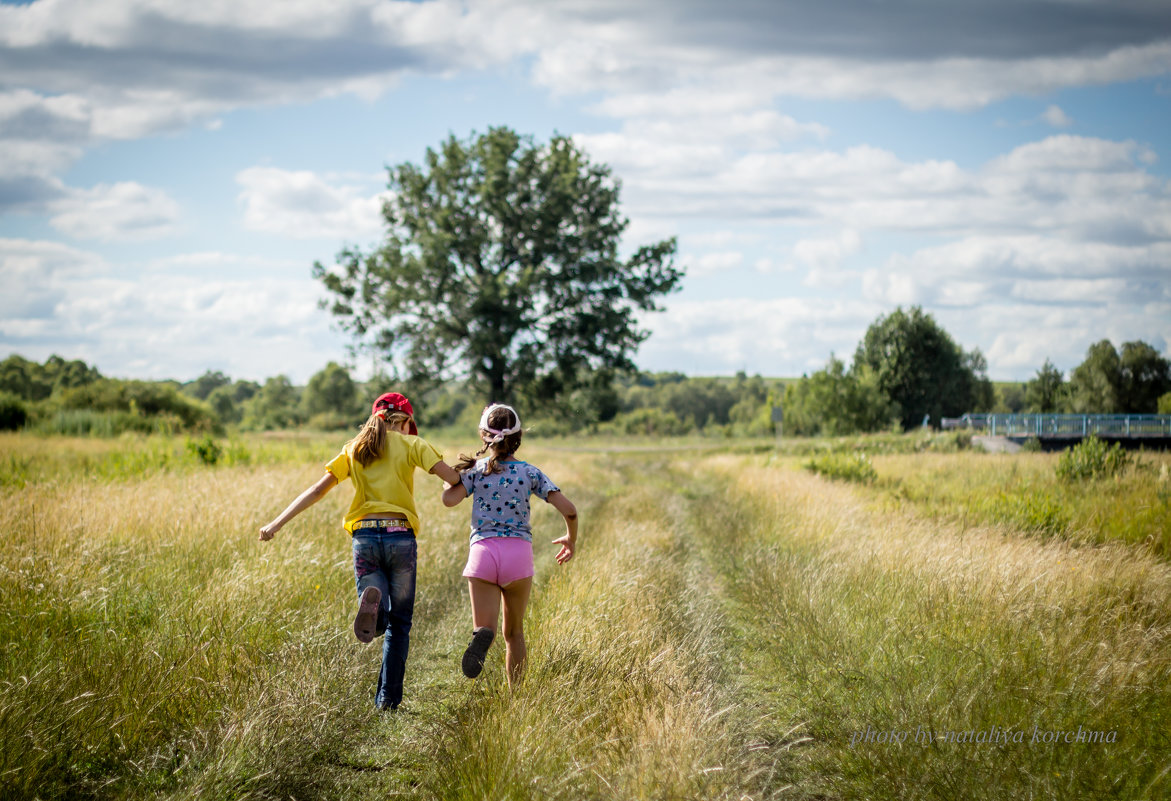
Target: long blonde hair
point(500, 418)
point(370, 442)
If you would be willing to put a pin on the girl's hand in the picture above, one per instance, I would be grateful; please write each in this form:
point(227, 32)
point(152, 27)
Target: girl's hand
point(267, 531)
point(567, 544)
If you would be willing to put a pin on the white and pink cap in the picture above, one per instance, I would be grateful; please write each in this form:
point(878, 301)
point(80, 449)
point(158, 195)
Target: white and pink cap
point(498, 434)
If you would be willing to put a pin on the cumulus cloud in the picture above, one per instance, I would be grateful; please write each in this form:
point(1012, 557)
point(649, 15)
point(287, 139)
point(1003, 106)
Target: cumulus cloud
point(712, 263)
point(984, 271)
point(125, 211)
point(1064, 225)
point(823, 258)
point(771, 336)
point(74, 302)
point(34, 275)
point(147, 66)
point(1056, 117)
point(302, 204)
point(975, 53)
point(1085, 188)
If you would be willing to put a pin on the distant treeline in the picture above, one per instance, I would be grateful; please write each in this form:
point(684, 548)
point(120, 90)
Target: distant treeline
point(875, 393)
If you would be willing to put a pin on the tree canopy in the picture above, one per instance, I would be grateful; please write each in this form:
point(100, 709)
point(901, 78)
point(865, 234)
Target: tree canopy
point(501, 261)
point(1045, 392)
point(1111, 382)
point(919, 367)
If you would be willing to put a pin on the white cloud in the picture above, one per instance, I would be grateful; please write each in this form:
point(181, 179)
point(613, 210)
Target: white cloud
point(823, 258)
point(777, 336)
point(1056, 117)
point(73, 302)
point(124, 211)
point(302, 204)
point(712, 263)
point(1083, 188)
point(803, 52)
point(34, 273)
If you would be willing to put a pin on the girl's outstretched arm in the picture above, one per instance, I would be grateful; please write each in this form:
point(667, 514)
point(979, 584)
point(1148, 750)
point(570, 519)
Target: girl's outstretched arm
point(303, 502)
point(454, 492)
point(445, 471)
point(568, 541)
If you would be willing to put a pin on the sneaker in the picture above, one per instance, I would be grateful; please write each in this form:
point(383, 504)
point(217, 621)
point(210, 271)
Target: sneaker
point(366, 621)
point(473, 661)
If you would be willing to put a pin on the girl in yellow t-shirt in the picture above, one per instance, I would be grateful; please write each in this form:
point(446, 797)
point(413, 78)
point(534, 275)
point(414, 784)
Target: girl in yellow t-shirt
point(380, 462)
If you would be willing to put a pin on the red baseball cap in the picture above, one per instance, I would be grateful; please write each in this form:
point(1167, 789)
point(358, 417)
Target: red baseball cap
point(397, 402)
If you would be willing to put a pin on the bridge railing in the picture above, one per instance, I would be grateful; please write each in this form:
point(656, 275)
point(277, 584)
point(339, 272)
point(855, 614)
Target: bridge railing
point(1066, 425)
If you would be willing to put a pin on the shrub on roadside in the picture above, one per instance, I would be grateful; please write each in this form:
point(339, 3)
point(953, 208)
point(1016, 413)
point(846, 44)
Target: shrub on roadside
point(90, 423)
point(13, 412)
point(1092, 458)
point(1034, 511)
point(855, 467)
point(207, 450)
point(649, 422)
point(144, 399)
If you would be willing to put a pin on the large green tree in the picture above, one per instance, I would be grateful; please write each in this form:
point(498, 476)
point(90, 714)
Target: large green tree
point(1094, 384)
point(835, 401)
point(1127, 382)
point(34, 382)
point(1046, 391)
point(331, 391)
point(501, 261)
point(1145, 377)
point(919, 367)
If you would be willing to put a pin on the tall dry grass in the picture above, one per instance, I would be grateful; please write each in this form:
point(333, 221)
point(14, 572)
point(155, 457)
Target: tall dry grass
point(868, 618)
point(724, 629)
point(1023, 491)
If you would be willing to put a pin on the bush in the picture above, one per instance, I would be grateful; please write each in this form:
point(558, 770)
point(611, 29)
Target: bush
point(86, 422)
point(13, 412)
point(333, 421)
point(145, 399)
point(650, 423)
point(207, 450)
point(947, 442)
point(1031, 511)
point(1091, 458)
point(854, 467)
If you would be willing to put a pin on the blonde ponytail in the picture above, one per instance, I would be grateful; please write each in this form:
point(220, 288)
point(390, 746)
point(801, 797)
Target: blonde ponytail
point(370, 442)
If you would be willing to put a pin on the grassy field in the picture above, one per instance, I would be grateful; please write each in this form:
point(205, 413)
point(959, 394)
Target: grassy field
point(734, 626)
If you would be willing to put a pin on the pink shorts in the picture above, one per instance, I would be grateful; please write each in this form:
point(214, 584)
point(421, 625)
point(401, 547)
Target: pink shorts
point(500, 560)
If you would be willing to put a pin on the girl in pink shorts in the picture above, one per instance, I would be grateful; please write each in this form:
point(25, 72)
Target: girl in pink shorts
point(500, 562)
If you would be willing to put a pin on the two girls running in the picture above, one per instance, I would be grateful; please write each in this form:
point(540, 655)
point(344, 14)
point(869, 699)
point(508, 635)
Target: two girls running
point(383, 522)
point(380, 462)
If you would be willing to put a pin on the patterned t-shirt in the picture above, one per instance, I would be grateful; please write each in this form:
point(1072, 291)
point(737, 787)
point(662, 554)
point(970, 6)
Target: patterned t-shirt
point(500, 502)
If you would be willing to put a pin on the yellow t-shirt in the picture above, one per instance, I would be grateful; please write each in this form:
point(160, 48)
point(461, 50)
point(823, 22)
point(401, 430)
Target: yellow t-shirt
point(387, 484)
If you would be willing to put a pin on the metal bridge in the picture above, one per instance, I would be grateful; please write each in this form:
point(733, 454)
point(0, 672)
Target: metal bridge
point(1067, 426)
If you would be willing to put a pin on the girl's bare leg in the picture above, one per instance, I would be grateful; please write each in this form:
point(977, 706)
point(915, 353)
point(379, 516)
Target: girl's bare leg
point(485, 598)
point(485, 603)
point(516, 599)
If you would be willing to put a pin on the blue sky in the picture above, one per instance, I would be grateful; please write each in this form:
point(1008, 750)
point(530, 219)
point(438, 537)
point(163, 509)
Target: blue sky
point(170, 171)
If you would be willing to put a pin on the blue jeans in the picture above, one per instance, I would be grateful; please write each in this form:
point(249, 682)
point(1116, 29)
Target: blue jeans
point(386, 560)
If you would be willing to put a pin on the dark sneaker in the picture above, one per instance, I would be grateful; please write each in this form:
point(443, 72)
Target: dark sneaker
point(473, 661)
point(366, 621)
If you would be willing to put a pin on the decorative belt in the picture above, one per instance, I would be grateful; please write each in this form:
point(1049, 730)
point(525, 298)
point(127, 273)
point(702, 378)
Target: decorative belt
point(389, 523)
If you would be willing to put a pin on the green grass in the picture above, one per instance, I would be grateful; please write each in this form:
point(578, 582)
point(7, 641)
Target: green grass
point(1024, 492)
point(730, 623)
